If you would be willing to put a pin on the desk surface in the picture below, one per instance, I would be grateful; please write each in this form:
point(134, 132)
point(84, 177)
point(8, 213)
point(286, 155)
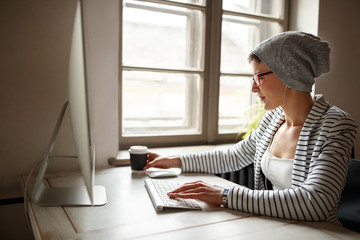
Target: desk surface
point(129, 213)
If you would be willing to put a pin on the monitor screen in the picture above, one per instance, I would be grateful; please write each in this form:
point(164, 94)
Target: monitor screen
point(79, 116)
point(78, 102)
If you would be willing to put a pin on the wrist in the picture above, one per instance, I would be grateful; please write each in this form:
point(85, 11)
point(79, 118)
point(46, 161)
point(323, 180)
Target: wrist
point(176, 161)
point(224, 197)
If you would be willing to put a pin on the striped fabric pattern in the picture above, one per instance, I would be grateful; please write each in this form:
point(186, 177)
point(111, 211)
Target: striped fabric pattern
point(318, 176)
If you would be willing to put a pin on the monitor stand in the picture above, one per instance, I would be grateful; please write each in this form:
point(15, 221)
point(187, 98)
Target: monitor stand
point(63, 196)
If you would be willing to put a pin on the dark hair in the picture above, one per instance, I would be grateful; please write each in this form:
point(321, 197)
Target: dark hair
point(253, 58)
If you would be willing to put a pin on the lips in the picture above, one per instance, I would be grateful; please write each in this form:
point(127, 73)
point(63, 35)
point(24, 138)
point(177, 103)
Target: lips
point(262, 98)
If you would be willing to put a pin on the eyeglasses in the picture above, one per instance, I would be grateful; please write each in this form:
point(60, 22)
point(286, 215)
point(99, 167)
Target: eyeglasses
point(257, 78)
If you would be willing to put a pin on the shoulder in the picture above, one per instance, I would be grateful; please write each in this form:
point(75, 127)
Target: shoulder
point(273, 115)
point(271, 120)
point(332, 116)
point(330, 111)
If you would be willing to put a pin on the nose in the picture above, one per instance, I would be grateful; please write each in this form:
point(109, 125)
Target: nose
point(254, 88)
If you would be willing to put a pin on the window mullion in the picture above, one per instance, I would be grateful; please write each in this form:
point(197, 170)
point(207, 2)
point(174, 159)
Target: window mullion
point(176, 4)
point(254, 16)
point(165, 70)
point(212, 69)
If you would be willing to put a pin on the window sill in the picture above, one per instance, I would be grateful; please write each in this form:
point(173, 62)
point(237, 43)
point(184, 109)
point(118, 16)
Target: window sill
point(122, 158)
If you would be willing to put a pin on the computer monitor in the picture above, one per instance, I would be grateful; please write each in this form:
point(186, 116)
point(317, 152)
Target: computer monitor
point(79, 116)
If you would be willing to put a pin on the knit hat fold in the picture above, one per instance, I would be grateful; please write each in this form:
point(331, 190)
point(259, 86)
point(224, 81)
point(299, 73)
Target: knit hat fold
point(296, 58)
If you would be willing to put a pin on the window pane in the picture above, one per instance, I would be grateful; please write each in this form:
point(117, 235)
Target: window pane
point(163, 37)
point(195, 2)
point(234, 100)
point(239, 37)
point(156, 103)
point(273, 8)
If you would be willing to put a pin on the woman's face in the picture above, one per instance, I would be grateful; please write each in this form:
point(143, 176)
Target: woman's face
point(271, 91)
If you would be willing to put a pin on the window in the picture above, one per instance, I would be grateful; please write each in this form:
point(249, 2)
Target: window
point(245, 23)
point(184, 74)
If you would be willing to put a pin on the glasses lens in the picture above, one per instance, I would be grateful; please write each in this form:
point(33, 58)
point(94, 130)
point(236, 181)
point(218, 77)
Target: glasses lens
point(255, 79)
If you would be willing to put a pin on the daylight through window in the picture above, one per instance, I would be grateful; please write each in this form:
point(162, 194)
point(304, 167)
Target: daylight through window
point(184, 71)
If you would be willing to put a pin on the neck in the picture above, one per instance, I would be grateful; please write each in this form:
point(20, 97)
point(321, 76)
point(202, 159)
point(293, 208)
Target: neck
point(297, 105)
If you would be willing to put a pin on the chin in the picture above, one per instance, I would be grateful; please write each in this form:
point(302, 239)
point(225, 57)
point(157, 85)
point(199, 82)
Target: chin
point(269, 107)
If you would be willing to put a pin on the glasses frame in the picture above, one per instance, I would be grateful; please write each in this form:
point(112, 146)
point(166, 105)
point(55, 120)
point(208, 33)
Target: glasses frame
point(256, 78)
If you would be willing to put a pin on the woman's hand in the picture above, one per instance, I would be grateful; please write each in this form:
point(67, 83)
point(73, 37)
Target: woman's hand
point(199, 190)
point(155, 160)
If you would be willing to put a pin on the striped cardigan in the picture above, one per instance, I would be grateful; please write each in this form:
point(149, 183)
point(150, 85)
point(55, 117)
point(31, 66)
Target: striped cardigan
point(318, 176)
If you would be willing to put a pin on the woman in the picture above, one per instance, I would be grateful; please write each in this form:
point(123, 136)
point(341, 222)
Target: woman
point(302, 146)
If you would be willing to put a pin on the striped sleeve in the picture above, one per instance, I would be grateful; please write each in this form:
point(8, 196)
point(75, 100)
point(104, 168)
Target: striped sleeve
point(231, 159)
point(319, 195)
point(235, 158)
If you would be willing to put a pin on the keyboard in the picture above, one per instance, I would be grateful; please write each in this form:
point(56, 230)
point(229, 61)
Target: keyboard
point(158, 190)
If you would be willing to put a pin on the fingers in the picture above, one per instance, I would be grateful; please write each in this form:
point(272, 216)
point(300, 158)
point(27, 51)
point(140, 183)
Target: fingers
point(189, 185)
point(150, 160)
point(200, 191)
point(152, 164)
point(155, 160)
point(197, 196)
point(152, 156)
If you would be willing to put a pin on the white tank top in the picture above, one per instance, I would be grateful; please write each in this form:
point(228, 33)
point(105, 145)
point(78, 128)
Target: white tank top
point(277, 170)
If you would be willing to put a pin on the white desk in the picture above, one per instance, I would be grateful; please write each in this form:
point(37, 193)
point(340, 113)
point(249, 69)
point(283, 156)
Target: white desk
point(129, 213)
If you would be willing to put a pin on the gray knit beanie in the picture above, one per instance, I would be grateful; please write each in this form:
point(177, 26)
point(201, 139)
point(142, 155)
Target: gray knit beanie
point(296, 58)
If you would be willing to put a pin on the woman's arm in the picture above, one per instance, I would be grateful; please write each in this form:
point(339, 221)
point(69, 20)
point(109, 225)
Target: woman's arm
point(231, 159)
point(217, 161)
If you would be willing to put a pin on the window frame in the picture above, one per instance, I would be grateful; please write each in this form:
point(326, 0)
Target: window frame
point(211, 78)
